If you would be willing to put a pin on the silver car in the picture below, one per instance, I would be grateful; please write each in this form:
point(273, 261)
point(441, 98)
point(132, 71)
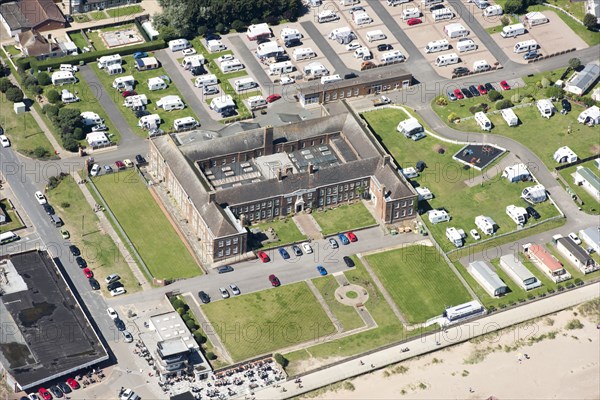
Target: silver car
point(224, 292)
point(234, 289)
point(127, 336)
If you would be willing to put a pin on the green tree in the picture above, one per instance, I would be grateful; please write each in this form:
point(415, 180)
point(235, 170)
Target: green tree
point(211, 356)
point(281, 360)
point(168, 33)
point(70, 144)
point(220, 27)
point(191, 324)
point(502, 104)
point(53, 96)
point(238, 25)
point(40, 152)
point(68, 119)
point(51, 111)
point(494, 95)
point(14, 94)
point(554, 91)
point(37, 89)
point(545, 82)
point(574, 63)
point(44, 79)
point(29, 81)
point(199, 336)
point(505, 20)
point(202, 30)
point(5, 84)
point(452, 117)
point(590, 21)
point(513, 6)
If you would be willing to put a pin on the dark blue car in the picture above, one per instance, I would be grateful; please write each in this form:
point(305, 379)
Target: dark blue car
point(284, 254)
point(322, 270)
point(140, 54)
point(343, 239)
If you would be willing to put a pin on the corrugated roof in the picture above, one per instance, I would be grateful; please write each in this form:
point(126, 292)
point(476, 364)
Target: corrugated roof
point(486, 273)
point(576, 250)
point(590, 177)
point(11, 12)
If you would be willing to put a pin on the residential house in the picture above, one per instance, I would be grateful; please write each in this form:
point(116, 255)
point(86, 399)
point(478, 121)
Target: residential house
point(34, 44)
point(576, 255)
point(546, 262)
point(82, 6)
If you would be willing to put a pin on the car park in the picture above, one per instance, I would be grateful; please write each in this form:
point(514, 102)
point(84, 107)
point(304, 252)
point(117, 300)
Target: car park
point(88, 273)
point(95, 170)
point(118, 291)
point(119, 324)
point(234, 289)
point(283, 252)
point(459, 95)
point(114, 285)
point(414, 21)
point(333, 243)
point(466, 93)
point(108, 169)
point(307, 248)
point(343, 239)
point(533, 212)
point(384, 47)
point(127, 163)
point(489, 87)
point(264, 257)
point(81, 263)
point(565, 105)
point(274, 281)
point(65, 234)
point(322, 271)
point(224, 269)
point(112, 313)
point(481, 89)
point(451, 96)
point(74, 250)
point(504, 85)
point(474, 234)
point(44, 394)
point(297, 250)
point(574, 238)
point(127, 336)
point(73, 384)
point(273, 97)
point(348, 261)
point(94, 284)
point(140, 160)
point(189, 52)
point(224, 293)
point(474, 91)
point(4, 141)
point(48, 209)
point(39, 196)
point(112, 278)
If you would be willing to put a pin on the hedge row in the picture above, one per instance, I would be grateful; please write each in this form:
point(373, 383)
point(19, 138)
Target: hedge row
point(90, 56)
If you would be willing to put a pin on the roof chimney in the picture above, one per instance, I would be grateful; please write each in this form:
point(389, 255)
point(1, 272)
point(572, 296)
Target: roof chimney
point(279, 174)
point(311, 168)
point(211, 196)
point(268, 140)
point(386, 160)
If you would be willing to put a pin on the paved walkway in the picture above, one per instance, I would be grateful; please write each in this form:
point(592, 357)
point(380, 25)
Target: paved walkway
point(363, 312)
point(338, 326)
point(427, 344)
point(308, 226)
point(322, 43)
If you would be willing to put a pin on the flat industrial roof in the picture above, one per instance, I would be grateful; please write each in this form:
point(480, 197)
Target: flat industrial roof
point(54, 338)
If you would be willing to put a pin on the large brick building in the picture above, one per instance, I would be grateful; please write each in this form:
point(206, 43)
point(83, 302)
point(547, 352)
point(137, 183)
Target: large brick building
point(223, 184)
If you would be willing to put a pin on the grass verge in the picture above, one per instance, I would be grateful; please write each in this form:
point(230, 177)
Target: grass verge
point(286, 231)
point(344, 218)
point(12, 221)
point(346, 315)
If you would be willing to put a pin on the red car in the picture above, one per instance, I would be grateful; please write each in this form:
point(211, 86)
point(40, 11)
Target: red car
point(273, 97)
point(459, 95)
point(128, 93)
point(414, 21)
point(274, 280)
point(119, 165)
point(44, 393)
point(72, 383)
point(351, 236)
point(263, 256)
point(504, 85)
point(481, 89)
point(88, 273)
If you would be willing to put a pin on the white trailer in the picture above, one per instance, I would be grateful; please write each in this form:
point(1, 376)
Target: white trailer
point(394, 3)
point(375, 35)
point(361, 18)
point(485, 224)
point(525, 46)
point(535, 18)
point(231, 66)
point(447, 59)
point(517, 214)
point(315, 70)
point(256, 102)
point(206, 80)
point(179, 44)
point(512, 30)
point(290, 34)
point(442, 14)
point(437, 45)
point(327, 16)
point(483, 121)
point(303, 53)
point(491, 11)
point(481, 66)
point(466, 44)
point(545, 107)
point(244, 84)
point(156, 83)
point(60, 78)
point(90, 118)
point(192, 61)
point(330, 79)
point(123, 82)
point(456, 30)
point(170, 103)
point(410, 13)
point(390, 57)
point(424, 193)
point(437, 216)
point(510, 117)
point(185, 123)
point(214, 46)
point(105, 61)
point(284, 67)
point(455, 236)
point(149, 121)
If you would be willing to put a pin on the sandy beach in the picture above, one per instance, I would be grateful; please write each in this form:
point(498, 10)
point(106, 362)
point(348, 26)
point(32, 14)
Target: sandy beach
point(563, 363)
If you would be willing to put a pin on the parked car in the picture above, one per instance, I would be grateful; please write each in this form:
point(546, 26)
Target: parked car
point(140, 160)
point(531, 55)
point(224, 269)
point(108, 169)
point(39, 196)
point(112, 313)
point(224, 293)
point(343, 239)
point(504, 85)
point(32, 396)
point(140, 54)
point(99, 128)
point(292, 43)
point(189, 52)
point(48, 208)
point(56, 392)
point(118, 291)
point(127, 163)
point(225, 57)
point(81, 263)
point(283, 252)
point(120, 165)
point(475, 234)
point(474, 91)
point(44, 394)
point(88, 273)
point(95, 170)
point(322, 270)
point(274, 281)
point(489, 87)
point(384, 47)
point(128, 93)
point(127, 336)
point(348, 261)
point(574, 238)
point(333, 243)
point(209, 90)
point(307, 248)
point(264, 257)
point(533, 212)
point(4, 141)
point(114, 285)
point(273, 97)
point(141, 113)
point(565, 105)
point(297, 250)
point(460, 70)
point(73, 384)
point(286, 80)
point(74, 250)
point(459, 95)
point(119, 324)
point(112, 278)
point(417, 136)
point(451, 96)
point(234, 289)
point(482, 90)
point(262, 40)
point(414, 21)
point(65, 234)
point(64, 387)
point(466, 93)
point(356, 8)
point(353, 46)
point(94, 284)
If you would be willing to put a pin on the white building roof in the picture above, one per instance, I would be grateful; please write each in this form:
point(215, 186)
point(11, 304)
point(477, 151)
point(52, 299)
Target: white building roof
point(222, 102)
point(581, 81)
point(258, 30)
point(94, 137)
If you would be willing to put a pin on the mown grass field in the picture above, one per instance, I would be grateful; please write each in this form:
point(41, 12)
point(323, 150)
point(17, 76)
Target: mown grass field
point(266, 321)
point(146, 226)
point(346, 315)
point(344, 218)
point(286, 231)
point(419, 280)
point(590, 204)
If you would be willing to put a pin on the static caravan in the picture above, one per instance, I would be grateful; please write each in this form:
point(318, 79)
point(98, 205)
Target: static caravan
point(429, 3)
point(244, 84)
point(375, 35)
point(481, 66)
point(410, 13)
point(90, 118)
point(206, 80)
point(156, 84)
point(447, 59)
point(510, 117)
point(442, 14)
point(483, 121)
point(437, 216)
point(361, 18)
point(464, 45)
point(437, 45)
point(269, 49)
point(390, 57)
point(149, 121)
point(256, 102)
point(105, 61)
point(327, 16)
point(316, 70)
point(409, 127)
point(179, 44)
point(214, 46)
point(491, 11)
point(424, 193)
point(512, 30)
point(115, 69)
point(455, 236)
point(487, 278)
point(60, 78)
point(304, 53)
point(97, 139)
point(124, 82)
point(258, 31)
point(517, 214)
point(192, 61)
point(330, 79)
point(185, 123)
point(284, 67)
point(170, 103)
point(485, 224)
point(394, 3)
point(290, 34)
point(545, 107)
point(525, 46)
point(231, 66)
point(518, 272)
point(456, 30)
point(409, 172)
point(535, 18)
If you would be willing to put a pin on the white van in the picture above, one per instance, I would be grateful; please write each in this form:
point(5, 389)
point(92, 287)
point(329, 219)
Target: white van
point(327, 16)
point(214, 46)
point(244, 84)
point(390, 57)
point(483, 121)
point(410, 13)
point(305, 53)
point(232, 66)
point(256, 102)
point(427, 3)
point(60, 78)
point(512, 30)
point(375, 35)
point(481, 66)
point(170, 103)
point(464, 45)
point(330, 79)
point(442, 14)
point(149, 121)
point(361, 18)
point(447, 59)
point(525, 46)
point(349, 2)
point(492, 11)
point(284, 67)
point(185, 123)
point(123, 82)
point(437, 45)
point(456, 30)
point(206, 80)
point(90, 118)
point(179, 44)
point(394, 3)
point(68, 68)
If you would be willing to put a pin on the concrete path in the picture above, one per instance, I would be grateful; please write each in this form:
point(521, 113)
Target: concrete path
point(338, 326)
point(332, 56)
point(426, 344)
point(308, 226)
point(363, 312)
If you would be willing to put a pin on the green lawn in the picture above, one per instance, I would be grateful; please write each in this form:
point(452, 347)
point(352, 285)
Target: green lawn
point(346, 315)
point(446, 179)
point(98, 15)
point(590, 204)
point(168, 117)
point(124, 11)
point(96, 40)
point(419, 280)
point(344, 218)
point(13, 222)
point(99, 250)
point(81, 18)
point(78, 39)
point(23, 131)
point(498, 28)
point(147, 226)
point(13, 51)
point(266, 321)
point(286, 231)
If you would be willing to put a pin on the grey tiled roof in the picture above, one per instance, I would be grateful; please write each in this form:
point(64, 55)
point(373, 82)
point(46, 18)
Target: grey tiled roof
point(11, 12)
point(394, 182)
